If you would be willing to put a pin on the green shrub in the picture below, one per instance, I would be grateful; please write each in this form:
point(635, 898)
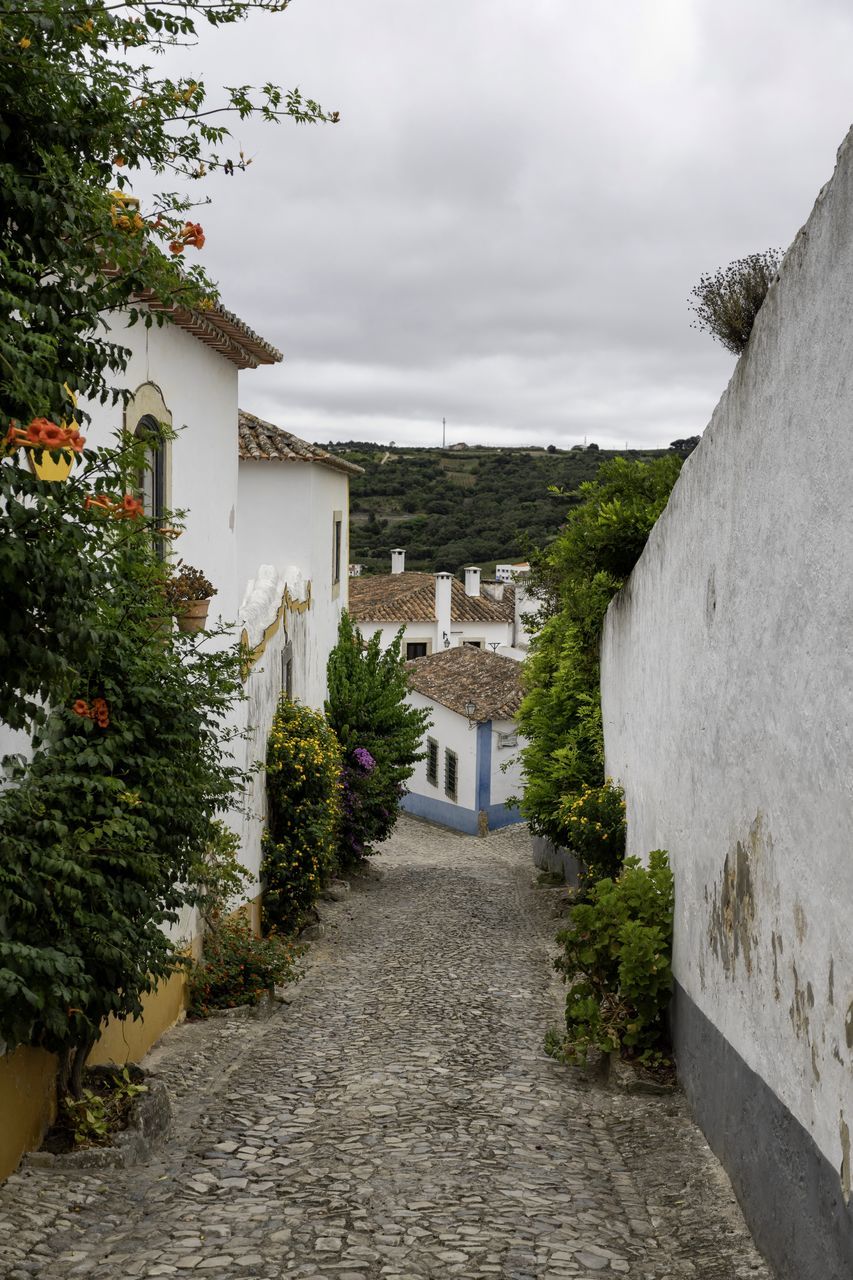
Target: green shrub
point(617, 958)
point(727, 302)
point(304, 812)
point(380, 735)
point(593, 827)
point(238, 968)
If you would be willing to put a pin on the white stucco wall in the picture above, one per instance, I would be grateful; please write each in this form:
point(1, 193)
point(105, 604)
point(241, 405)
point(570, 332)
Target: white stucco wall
point(500, 633)
point(200, 390)
point(727, 681)
point(286, 517)
point(451, 732)
point(509, 781)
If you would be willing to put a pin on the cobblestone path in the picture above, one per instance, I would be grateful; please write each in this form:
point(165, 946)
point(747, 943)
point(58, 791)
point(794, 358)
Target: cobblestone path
point(398, 1119)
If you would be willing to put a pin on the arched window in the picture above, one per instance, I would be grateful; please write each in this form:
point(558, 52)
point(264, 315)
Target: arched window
point(151, 478)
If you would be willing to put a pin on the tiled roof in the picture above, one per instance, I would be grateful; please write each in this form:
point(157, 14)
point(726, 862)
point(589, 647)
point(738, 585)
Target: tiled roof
point(262, 442)
point(456, 676)
point(410, 597)
point(221, 330)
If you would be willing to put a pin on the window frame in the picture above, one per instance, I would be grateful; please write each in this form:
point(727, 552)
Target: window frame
point(337, 550)
point(432, 761)
point(451, 765)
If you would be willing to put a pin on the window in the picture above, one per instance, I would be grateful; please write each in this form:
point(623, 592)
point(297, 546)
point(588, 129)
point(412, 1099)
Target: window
point(337, 547)
point(287, 669)
point(416, 649)
point(151, 478)
point(472, 644)
point(432, 762)
point(451, 773)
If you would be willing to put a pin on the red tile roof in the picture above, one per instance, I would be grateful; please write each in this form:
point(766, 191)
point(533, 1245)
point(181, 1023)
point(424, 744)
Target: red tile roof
point(262, 442)
point(454, 677)
point(410, 597)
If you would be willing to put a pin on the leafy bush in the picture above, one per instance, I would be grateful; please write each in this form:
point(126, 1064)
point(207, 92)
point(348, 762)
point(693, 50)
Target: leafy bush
point(101, 1111)
point(617, 958)
point(238, 968)
point(218, 875)
point(130, 769)
point(380, 735)
point(304, 803)
point(561, 719)
point(593, 824)
point(575, 579)
point(727, 302)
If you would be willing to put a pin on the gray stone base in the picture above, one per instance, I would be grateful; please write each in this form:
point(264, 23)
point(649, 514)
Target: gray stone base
point(550, 857)
point(790, 1194)
point(150, 1122)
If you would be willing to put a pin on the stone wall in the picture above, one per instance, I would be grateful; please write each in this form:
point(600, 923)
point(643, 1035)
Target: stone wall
point(727, 687)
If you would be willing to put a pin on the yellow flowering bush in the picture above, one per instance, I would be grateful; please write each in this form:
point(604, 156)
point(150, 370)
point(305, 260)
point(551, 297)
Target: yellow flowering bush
point(303, 770)
point(593, 820)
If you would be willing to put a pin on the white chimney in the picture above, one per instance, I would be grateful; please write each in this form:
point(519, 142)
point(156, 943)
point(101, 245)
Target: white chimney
point(443, 588)
point(472, 580)
point(398, 560)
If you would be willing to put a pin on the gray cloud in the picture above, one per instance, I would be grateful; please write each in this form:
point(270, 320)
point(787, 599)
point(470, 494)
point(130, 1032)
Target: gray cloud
point(506, 225)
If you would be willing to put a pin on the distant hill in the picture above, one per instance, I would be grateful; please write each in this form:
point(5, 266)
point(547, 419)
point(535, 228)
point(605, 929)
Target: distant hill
point(463, 505)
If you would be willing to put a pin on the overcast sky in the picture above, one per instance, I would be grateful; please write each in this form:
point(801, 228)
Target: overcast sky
point(506, 225)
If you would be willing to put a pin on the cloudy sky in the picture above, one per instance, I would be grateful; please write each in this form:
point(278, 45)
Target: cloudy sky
point(505, 226)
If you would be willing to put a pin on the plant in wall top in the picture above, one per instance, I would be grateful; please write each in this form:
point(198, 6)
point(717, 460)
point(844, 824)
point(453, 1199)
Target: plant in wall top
point(727, 302)
point(189, 593)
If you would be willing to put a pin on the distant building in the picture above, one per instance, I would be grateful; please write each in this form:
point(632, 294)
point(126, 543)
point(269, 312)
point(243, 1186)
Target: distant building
point(435, 609)
point(509, 572)
point(472, 696)
point(356, 570)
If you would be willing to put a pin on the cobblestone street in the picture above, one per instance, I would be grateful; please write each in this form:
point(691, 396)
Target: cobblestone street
point(398, 1118)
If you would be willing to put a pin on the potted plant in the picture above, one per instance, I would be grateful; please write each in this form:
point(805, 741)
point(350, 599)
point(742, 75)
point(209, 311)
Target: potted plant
point(188, 592)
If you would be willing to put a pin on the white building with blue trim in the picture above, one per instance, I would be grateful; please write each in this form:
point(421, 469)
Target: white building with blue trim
point(472, 765)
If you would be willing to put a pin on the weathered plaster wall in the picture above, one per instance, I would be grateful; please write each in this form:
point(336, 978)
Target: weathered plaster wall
point(727, 686)
point(425, 800)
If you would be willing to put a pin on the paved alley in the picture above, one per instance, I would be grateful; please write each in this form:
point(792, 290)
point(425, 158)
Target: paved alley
point(398, 1118)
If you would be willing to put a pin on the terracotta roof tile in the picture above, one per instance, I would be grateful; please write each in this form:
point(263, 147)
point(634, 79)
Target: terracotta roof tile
point(456, 676)
point(263, 442)
point(410, 597)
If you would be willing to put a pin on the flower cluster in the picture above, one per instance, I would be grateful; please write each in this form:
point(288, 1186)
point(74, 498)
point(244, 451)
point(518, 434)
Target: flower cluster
point(44, 434)
point(98, 712)
point(190, 234)
point(125, 508)
point(594, 823)
point(364, 759)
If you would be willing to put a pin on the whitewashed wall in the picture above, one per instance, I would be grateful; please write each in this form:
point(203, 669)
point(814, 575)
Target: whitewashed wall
point(727, 684)
point(498, 632)
point(286, 517)
point(450, 731)
point(509, 781)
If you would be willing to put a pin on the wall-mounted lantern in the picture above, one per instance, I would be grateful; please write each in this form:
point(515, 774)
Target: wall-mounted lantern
point(470, 708)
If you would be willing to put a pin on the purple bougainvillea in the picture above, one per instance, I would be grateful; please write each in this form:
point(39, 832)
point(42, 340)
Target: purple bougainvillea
point(364, 759)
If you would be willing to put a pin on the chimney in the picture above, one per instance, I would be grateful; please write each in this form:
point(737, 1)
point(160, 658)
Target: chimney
point(398, 560)
point(443, 588)
point(472, 580)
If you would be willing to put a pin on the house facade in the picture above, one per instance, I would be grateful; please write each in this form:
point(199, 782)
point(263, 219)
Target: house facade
point(472, 765)
point(293, 548)
point(437, 611)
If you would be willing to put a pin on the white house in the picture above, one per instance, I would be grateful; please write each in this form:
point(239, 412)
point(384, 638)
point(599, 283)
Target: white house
point(293, 548)
point(472, 763)
point(437, 611)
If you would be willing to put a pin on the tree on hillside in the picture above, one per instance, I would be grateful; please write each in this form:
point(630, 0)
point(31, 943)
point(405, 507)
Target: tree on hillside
point(379, 731)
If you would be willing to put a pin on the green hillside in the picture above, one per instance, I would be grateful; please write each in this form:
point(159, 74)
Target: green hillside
point(452, 507)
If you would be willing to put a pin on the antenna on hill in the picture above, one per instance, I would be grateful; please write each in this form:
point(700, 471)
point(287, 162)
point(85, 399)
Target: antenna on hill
point(443, 432)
